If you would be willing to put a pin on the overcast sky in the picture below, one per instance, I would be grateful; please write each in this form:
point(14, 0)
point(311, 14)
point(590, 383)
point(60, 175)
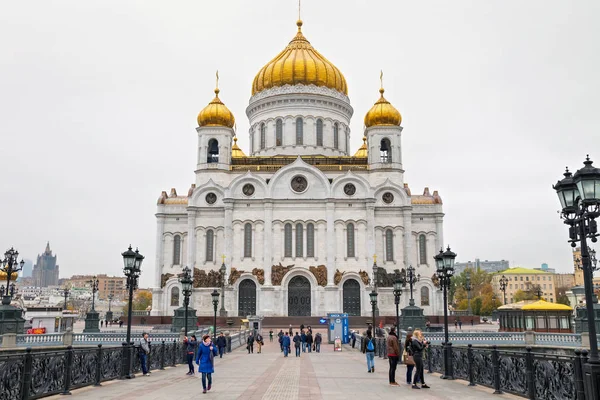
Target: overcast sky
point(98, 106)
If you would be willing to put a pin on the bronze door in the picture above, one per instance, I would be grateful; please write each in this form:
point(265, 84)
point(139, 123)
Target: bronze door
point(299, 297)
point(247, 298)
point(352, 297)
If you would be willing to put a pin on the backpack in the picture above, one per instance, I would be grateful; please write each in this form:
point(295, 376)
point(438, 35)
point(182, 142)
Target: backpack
point(370, 346)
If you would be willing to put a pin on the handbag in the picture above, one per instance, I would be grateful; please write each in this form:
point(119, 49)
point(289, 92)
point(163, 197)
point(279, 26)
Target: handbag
point(409, 360)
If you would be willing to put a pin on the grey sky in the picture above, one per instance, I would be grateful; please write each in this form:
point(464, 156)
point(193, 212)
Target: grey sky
point(98, 105)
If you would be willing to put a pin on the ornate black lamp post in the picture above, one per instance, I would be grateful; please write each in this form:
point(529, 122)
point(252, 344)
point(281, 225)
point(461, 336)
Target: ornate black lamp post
point(503, 283)
point(412, 279)
point(215, 300)
point(373, 295)
point(132, 269)
point(92, 320)
point(10, 266)
point(66, 296)
point(445, 270)
point(374, 283)
point(109, 313)
point(579, 196)
point(222, 272)
point(398, 283)
point(186, 283)
point(468, 288)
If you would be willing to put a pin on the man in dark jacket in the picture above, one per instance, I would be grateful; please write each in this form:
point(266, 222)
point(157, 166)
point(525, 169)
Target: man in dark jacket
point(318, 340)
point(221, 344)
point(353, 337)
point(250, 344)
point(297, 344)
point(309, 341)
point(286, 344)
point(280, 335)
point(303, 340)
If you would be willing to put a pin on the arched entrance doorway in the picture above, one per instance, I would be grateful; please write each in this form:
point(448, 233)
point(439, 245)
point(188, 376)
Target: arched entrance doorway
point(247, 298)
point(351, 295)
point(299, 297)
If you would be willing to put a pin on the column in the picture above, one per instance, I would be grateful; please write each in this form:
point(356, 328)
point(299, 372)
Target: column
point(439, 228)
point(371, 233)
point(331, 243)
point(228, 225)
point(268, 242)
point(160, 230)
point(191, 248)
point(408, 238)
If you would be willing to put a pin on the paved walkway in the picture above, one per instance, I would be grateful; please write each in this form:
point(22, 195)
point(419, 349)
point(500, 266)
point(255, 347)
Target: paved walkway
point(326, 375)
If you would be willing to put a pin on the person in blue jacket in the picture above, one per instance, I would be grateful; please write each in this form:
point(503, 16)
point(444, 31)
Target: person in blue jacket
point(206, 361)
point(286, 344)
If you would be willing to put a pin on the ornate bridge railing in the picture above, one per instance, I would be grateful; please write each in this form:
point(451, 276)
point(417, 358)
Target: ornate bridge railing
point(29, 374)
point(523, 373)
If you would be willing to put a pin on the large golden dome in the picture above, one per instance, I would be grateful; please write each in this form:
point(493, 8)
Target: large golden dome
point(216, 114)
point(383, 113)
point(299, 63)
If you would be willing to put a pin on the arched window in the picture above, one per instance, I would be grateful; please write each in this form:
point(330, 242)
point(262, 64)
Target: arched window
point(177, 250)
point(385, 151)
point(310, 240)
point(299, 131)
point(336, 136)
point(213, 151)
point(248, 240)
point(210, 239)
point(422, 249)
point(287, 252)
point(350, 240)
point(175, 297)
point(424, 296)
point(299, 240)
point(389, 245)
point(279, 133)
point(319, 132)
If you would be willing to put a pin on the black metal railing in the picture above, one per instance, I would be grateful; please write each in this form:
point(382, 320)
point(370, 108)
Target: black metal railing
point(527, 374)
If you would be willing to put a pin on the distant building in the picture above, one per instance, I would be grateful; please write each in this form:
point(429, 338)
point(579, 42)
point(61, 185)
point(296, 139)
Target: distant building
point(489, 266)
point(45, 270)
point(115, 285)
point(564, 280)
point(27, 269)
point(524, 279)
point(544, 267)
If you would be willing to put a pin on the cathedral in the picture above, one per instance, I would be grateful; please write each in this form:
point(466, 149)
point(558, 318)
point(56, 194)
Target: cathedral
point(295, 227)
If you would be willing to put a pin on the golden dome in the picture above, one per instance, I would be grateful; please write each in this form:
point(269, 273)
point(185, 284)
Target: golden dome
point(216, 114)
point(236, 152)
point(363, 151)
point(299, 63)
point(383, 113)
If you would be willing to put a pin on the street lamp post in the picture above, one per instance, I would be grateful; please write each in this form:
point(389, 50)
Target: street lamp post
point(132, 269)
point(92, 320)
point(412, 279)
point(215, 300)
point(503, 283)
point(579, 195)
point(94, 284)
point(445, 270)
point(373, 297)
point(10, 266)
point(66, 295)
point(397, 293)
point(468, 288)
point(222, 272)
point(375, 278)
point(109, 313)
point(186, 283)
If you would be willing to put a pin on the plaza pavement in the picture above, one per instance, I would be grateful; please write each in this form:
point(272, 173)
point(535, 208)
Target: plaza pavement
point(326, 375)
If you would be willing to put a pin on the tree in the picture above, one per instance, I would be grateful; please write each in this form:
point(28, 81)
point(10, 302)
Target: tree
point(524, 295)
point(561, 296)
point(141, 301)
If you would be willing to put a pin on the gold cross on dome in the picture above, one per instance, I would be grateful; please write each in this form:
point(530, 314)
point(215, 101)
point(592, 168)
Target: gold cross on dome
point(223, 258)
point(217, 79)
point(381, 79)
point(374, 258)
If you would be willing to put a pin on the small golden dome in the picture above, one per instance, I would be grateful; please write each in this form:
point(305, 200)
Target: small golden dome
point(216, 114)
point(299, 63)
point(236, 152)
point(363, 151)
point(383, 113)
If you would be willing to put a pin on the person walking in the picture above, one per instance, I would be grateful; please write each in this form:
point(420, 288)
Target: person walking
point(286, 344)
point(408, 357)
point(460, 324)
point(456, 324)
point(418, 344)
point(280, 339)
point(318, 340)
point(259, 342)
point(143, 352)
point(271, 335)
point(368, 348)
point(290, 330)
point(353, 336)
point(393, 355)
point(101, 323)
point(250, 344)
point(303, 340)
point(221, 344)
point(297, 341)
point(190, 347)
point(206, 361)
point(309, 341)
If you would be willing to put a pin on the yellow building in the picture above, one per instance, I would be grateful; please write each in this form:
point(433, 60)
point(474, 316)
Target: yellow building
point(525, 279)
point(107, 285)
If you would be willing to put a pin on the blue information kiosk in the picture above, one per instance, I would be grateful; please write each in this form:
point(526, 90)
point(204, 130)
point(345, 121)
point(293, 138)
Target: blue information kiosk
point(338, 327)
